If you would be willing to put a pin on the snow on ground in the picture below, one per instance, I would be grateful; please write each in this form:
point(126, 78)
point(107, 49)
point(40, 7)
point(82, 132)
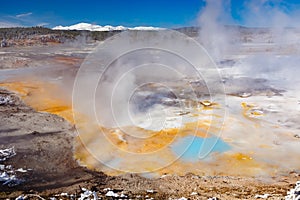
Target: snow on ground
point(7, 153)
point(7, 172)
point(5, 100)
point(294, 194)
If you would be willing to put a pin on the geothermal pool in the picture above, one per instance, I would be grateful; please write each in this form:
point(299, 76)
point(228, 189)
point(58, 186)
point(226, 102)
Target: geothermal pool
point(176, 125)
point(250, 142)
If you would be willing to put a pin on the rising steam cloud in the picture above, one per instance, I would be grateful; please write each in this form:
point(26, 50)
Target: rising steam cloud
point(279, 34)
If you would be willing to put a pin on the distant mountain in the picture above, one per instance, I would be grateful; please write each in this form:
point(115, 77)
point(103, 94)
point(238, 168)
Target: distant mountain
point(94, 27)
point(28, 36)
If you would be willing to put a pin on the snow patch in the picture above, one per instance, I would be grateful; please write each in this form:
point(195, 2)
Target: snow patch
point(264, 196)
point(294, 194)
point(95, 27)
point(7, 173)
point(111, 194)
point(7, 153)
point(5, 100)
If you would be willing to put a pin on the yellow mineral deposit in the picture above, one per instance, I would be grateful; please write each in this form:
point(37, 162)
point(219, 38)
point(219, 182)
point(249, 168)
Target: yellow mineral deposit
point(42, 96)
point(208, 105)
point(47, 97)
point(251, 111)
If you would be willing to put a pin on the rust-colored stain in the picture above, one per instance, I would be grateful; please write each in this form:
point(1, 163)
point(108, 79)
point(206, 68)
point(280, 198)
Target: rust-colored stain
point(68, 60)
point(43, 97)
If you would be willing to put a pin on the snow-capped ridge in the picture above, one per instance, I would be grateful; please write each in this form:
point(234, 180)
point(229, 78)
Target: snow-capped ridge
point(95, 27)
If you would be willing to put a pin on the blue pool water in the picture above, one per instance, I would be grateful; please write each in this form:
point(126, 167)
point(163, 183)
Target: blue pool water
point(192, 148)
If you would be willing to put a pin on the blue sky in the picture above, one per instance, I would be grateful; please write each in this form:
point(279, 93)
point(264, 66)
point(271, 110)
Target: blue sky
point(162, 13)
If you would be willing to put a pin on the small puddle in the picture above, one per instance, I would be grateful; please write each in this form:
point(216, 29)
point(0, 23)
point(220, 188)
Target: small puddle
point(193, 148)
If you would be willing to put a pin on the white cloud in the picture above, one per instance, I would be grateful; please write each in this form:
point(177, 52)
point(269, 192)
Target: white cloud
point(24, 15)
point(22, 20)
point(8, 24)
